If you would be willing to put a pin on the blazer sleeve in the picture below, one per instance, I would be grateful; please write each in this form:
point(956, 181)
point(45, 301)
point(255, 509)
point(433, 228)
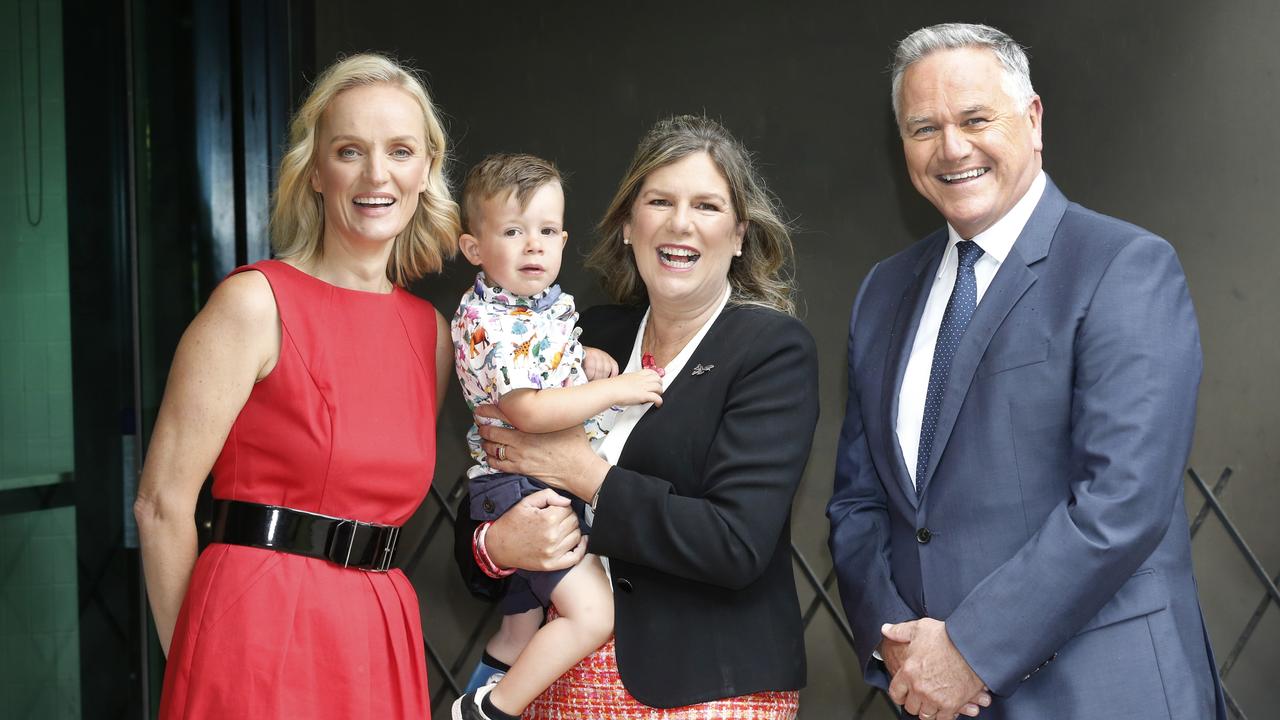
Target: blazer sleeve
point(1137, 371)
point(728, 534)
point(859, 539)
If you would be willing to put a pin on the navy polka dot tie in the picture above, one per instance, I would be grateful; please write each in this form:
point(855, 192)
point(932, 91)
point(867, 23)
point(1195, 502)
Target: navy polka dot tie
point(964, 298)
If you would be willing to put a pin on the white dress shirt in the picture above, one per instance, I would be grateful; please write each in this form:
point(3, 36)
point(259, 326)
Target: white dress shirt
point(996, 242)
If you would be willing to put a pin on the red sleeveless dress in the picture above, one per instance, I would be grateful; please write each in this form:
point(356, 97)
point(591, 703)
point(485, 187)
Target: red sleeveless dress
point(344, 425)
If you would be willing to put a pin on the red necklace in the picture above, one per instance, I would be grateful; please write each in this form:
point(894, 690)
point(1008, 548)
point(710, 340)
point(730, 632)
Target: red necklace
point(648, 363)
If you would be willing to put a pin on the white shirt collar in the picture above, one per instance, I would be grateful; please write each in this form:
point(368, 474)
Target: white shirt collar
point(673, 368)
point(997, 240)
point(611, 447)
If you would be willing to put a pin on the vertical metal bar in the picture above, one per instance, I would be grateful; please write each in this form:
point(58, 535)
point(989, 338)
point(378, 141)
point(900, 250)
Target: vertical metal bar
point(279, 69)
point(216, 210)
point(100, 224)
point(300, 18)
point(131, 452)
point(131, 249)
point(253, 160)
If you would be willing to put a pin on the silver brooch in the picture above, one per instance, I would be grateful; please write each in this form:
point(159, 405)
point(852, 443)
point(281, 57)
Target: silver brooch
point(700, 369)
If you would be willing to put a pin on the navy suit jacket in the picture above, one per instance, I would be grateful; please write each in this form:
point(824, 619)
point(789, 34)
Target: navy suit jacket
point(1051, 534)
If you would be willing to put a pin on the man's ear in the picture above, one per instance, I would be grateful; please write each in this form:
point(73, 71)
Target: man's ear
point(470, 248)
point(1035, 114)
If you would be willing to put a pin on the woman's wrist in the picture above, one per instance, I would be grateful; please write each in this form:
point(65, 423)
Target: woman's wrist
point(481, 553)
point(591, 479)
point(496, 546)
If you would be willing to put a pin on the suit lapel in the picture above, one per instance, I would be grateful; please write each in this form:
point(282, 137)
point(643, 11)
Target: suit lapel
point(1011, 282)
point(902, 336)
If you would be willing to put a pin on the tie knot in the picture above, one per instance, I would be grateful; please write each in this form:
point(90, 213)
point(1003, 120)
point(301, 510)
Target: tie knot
point(969, 253)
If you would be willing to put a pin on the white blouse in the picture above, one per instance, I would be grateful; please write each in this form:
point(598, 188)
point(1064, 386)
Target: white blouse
point(611, 447)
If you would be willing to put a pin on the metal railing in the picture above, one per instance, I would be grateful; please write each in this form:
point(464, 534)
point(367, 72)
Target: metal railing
point(824, 601)
point(1269, 595)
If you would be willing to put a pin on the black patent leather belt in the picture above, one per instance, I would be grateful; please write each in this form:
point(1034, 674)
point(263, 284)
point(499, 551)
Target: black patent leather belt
point(349, 543)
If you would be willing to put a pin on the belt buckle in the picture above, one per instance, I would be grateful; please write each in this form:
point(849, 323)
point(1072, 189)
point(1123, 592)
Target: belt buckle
point(382, 556)
point(382, 562)
point(351, 542)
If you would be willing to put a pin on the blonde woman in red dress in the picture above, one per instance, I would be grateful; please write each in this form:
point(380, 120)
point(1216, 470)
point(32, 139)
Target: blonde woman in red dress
point(307, 385)
point(692, 499)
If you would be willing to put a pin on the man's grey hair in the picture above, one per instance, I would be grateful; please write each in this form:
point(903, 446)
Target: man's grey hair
point(954, 36)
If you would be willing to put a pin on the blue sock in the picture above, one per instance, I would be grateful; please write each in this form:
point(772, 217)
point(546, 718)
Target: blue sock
point(485, 669)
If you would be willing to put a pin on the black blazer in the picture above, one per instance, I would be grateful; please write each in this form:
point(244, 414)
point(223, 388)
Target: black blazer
point(695, 517)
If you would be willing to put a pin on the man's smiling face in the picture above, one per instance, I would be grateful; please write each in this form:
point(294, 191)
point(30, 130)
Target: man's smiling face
point(970, 149)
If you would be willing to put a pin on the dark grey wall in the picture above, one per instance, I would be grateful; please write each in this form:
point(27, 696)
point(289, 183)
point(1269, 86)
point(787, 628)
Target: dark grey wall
point(1162, 115)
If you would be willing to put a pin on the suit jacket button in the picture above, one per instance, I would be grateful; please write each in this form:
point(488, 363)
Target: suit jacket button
point(624, 585)
point(488, 505)
point(923, 536)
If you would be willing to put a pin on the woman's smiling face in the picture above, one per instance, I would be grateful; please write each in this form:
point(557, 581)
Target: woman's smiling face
point(371, 163)
point(684, 233)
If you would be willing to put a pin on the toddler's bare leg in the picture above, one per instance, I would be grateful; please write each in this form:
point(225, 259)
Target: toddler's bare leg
point(513, 634)
point(585, 602)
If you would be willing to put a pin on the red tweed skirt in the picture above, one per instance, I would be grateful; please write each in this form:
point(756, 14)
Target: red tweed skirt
point(592, 690)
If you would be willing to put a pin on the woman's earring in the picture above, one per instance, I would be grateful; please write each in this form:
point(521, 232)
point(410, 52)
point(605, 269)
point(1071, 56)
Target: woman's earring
point(627, 241)
point(738, 253)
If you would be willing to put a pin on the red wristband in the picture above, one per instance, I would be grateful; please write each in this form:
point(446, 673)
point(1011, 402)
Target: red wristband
point(481, 554)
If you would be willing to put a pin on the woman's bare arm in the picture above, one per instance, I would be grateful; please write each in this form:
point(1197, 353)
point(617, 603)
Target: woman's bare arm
point(230, 345)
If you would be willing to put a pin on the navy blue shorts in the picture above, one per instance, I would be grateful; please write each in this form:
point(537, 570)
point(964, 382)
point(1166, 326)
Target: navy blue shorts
point(491, 496)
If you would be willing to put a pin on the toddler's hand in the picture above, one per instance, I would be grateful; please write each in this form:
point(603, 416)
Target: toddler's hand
point(598, 364)
point(636, 388)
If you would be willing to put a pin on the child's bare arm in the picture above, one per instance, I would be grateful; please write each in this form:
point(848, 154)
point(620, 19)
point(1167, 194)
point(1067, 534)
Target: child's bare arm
point(552, 409)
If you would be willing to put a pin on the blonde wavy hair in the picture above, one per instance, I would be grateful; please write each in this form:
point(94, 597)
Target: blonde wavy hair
point(297, 213)
point(762, 275)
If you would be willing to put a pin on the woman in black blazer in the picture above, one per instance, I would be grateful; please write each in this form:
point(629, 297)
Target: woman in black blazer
point(692, 498)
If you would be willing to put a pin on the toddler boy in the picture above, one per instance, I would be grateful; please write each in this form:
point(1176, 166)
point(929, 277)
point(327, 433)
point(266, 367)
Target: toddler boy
point(516, 346)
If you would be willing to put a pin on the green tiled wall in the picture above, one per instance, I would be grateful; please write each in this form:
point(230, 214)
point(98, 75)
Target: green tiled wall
point(39, 632)
point(35, 330)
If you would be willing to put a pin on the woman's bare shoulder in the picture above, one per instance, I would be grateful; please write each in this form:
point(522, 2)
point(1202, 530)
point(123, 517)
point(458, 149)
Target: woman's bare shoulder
point(245, 300)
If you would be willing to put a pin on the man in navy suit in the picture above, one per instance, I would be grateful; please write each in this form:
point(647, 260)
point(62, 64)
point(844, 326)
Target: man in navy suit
point(1008, 524)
